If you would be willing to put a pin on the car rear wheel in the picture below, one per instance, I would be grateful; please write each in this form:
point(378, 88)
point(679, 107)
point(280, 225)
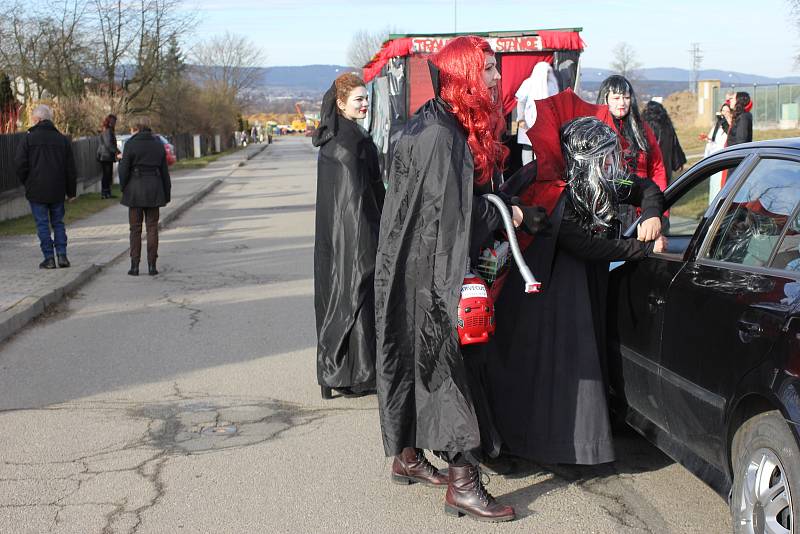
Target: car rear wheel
point(766, 476)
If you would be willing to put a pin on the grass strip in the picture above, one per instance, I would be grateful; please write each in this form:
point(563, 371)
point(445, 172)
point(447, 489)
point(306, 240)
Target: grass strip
point(84, 206)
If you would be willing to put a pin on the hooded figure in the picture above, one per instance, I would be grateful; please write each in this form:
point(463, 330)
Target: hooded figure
point(349, 201)
point(547, 382)
point(430, 392)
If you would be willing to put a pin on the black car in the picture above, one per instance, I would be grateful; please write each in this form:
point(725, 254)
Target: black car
point(704, 339)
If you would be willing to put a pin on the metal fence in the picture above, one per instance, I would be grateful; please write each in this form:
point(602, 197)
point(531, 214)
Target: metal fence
point(774, 106)
point(84, 151)
point(8, 171)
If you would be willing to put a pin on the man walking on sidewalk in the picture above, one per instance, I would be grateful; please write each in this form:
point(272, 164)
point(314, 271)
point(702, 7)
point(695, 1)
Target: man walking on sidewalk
point(46, 167)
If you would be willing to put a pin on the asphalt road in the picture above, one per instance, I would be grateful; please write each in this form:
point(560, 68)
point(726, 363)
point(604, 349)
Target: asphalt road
point(115, 408)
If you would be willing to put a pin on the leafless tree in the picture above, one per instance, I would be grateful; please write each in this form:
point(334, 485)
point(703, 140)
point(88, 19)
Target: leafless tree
point(625, 62)
point(229, 61)
point(365, 44)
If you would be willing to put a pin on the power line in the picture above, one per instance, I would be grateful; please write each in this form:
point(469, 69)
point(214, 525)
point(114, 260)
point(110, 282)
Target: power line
point(697, 60)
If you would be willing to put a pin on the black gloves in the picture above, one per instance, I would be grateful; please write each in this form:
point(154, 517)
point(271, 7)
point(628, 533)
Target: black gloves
point(534, 219)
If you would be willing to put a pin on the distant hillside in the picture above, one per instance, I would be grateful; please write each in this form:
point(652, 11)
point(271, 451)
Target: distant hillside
point(671, 74)
point(307, 77)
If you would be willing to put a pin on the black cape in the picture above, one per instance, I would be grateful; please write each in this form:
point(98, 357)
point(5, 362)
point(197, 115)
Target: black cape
point(349, 199)
point(428, 393)
point(547, 383)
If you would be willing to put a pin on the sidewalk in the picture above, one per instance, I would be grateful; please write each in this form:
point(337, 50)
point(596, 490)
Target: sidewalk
point(26, 291)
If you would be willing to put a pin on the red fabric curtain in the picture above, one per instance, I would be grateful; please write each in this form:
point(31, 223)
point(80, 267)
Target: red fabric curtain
point(554, 40)
point(515, 69)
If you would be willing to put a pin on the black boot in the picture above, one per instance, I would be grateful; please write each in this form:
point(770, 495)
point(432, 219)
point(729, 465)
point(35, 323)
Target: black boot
point(151, 268)
point(48, 263)
point(63, 262)
point(326, 393)
point(134, 270)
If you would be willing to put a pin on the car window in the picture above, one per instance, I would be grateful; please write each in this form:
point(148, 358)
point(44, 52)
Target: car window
point(753, 223)
point(787, 256)
point(686, 210)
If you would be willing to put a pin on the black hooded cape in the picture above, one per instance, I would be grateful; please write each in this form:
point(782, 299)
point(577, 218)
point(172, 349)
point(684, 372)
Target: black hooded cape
point(429, 392)
point(349, 200)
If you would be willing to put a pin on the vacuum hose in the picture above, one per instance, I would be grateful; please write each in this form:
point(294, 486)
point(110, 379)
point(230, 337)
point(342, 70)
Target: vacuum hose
point(531, 284)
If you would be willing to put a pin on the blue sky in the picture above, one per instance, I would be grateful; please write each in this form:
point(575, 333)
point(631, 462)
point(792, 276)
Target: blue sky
point(744, 36)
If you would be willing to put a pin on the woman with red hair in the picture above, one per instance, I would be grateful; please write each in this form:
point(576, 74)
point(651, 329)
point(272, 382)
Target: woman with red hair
point(434, 220)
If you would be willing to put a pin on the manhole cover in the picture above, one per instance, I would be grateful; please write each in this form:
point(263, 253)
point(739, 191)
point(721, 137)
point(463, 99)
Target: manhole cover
point(225, 430)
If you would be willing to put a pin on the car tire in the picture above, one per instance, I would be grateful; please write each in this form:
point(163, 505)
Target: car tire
point(766, 476)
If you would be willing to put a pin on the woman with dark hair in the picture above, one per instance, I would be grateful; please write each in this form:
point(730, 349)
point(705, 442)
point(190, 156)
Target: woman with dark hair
point(656, 116)
point(741, 129)
point(349, 200)
point(641, 154)
point(107, 154)
point(430, 392)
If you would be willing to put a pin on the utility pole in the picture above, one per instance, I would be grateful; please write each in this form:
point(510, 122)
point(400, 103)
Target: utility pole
point(697, 59)
point(455, 16)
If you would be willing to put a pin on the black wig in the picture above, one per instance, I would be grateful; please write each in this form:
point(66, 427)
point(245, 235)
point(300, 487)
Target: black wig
point(631, 129)
point(593, 170)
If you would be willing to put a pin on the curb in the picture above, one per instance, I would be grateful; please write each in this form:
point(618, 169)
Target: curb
point(32, 306)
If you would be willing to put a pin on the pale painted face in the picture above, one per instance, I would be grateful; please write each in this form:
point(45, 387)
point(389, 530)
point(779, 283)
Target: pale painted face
point(619, 104)
point(490, 73)
point(356, 106)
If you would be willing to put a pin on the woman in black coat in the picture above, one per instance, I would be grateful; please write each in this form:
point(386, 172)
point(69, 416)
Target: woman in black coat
point(430, 391)
point(741, 129)
point(146, 187)
point(349, 200)
point(108, 154)
point(656, 116)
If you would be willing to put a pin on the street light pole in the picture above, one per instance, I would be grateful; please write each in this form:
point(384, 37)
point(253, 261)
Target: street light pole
point(455, 16)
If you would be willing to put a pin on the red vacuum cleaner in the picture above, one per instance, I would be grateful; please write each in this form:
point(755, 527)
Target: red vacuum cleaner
point(476, 309)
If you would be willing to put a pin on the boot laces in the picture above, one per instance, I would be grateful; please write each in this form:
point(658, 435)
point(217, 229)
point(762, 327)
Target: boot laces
point(480, 486)
point(425, 464)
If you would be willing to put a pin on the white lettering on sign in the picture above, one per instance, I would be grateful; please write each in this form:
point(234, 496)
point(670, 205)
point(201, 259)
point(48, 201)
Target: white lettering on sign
point(430, 45)
point(469, 291)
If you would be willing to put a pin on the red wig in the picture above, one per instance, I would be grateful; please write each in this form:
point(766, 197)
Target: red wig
point(477, 107)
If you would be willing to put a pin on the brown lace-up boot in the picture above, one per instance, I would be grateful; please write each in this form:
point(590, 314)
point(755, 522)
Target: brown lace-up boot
point(411, 466)
point(466, 495)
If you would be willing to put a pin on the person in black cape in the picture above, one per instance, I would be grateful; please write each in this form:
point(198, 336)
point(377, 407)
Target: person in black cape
point(547, 381)
point(430, 394)
point(656, 116)
point(350, 196)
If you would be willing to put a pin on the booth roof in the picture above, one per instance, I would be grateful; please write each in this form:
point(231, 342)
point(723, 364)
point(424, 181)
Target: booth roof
point(401, 45)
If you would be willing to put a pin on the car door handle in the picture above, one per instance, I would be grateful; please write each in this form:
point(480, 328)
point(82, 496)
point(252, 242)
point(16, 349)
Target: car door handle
point(750, 329)
point(654, 302)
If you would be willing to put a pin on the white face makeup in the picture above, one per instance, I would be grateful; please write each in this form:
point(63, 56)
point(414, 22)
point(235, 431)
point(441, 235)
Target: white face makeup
point(619, 104)
point(490, 73)
point(356, 106)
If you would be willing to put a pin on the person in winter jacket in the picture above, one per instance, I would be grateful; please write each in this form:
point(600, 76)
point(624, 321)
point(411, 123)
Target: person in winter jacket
point(108, 154)
point(741, 130)
point(350, 196)
point(46, 167)
point(145, 183)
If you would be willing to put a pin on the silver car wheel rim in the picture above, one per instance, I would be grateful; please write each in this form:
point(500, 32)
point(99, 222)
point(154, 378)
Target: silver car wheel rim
point(766, 503)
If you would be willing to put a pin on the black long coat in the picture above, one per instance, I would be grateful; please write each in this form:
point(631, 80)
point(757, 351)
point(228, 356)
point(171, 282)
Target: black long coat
point(349, 199)
point(547, 383)
point(428, 395)
point(144, 173)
